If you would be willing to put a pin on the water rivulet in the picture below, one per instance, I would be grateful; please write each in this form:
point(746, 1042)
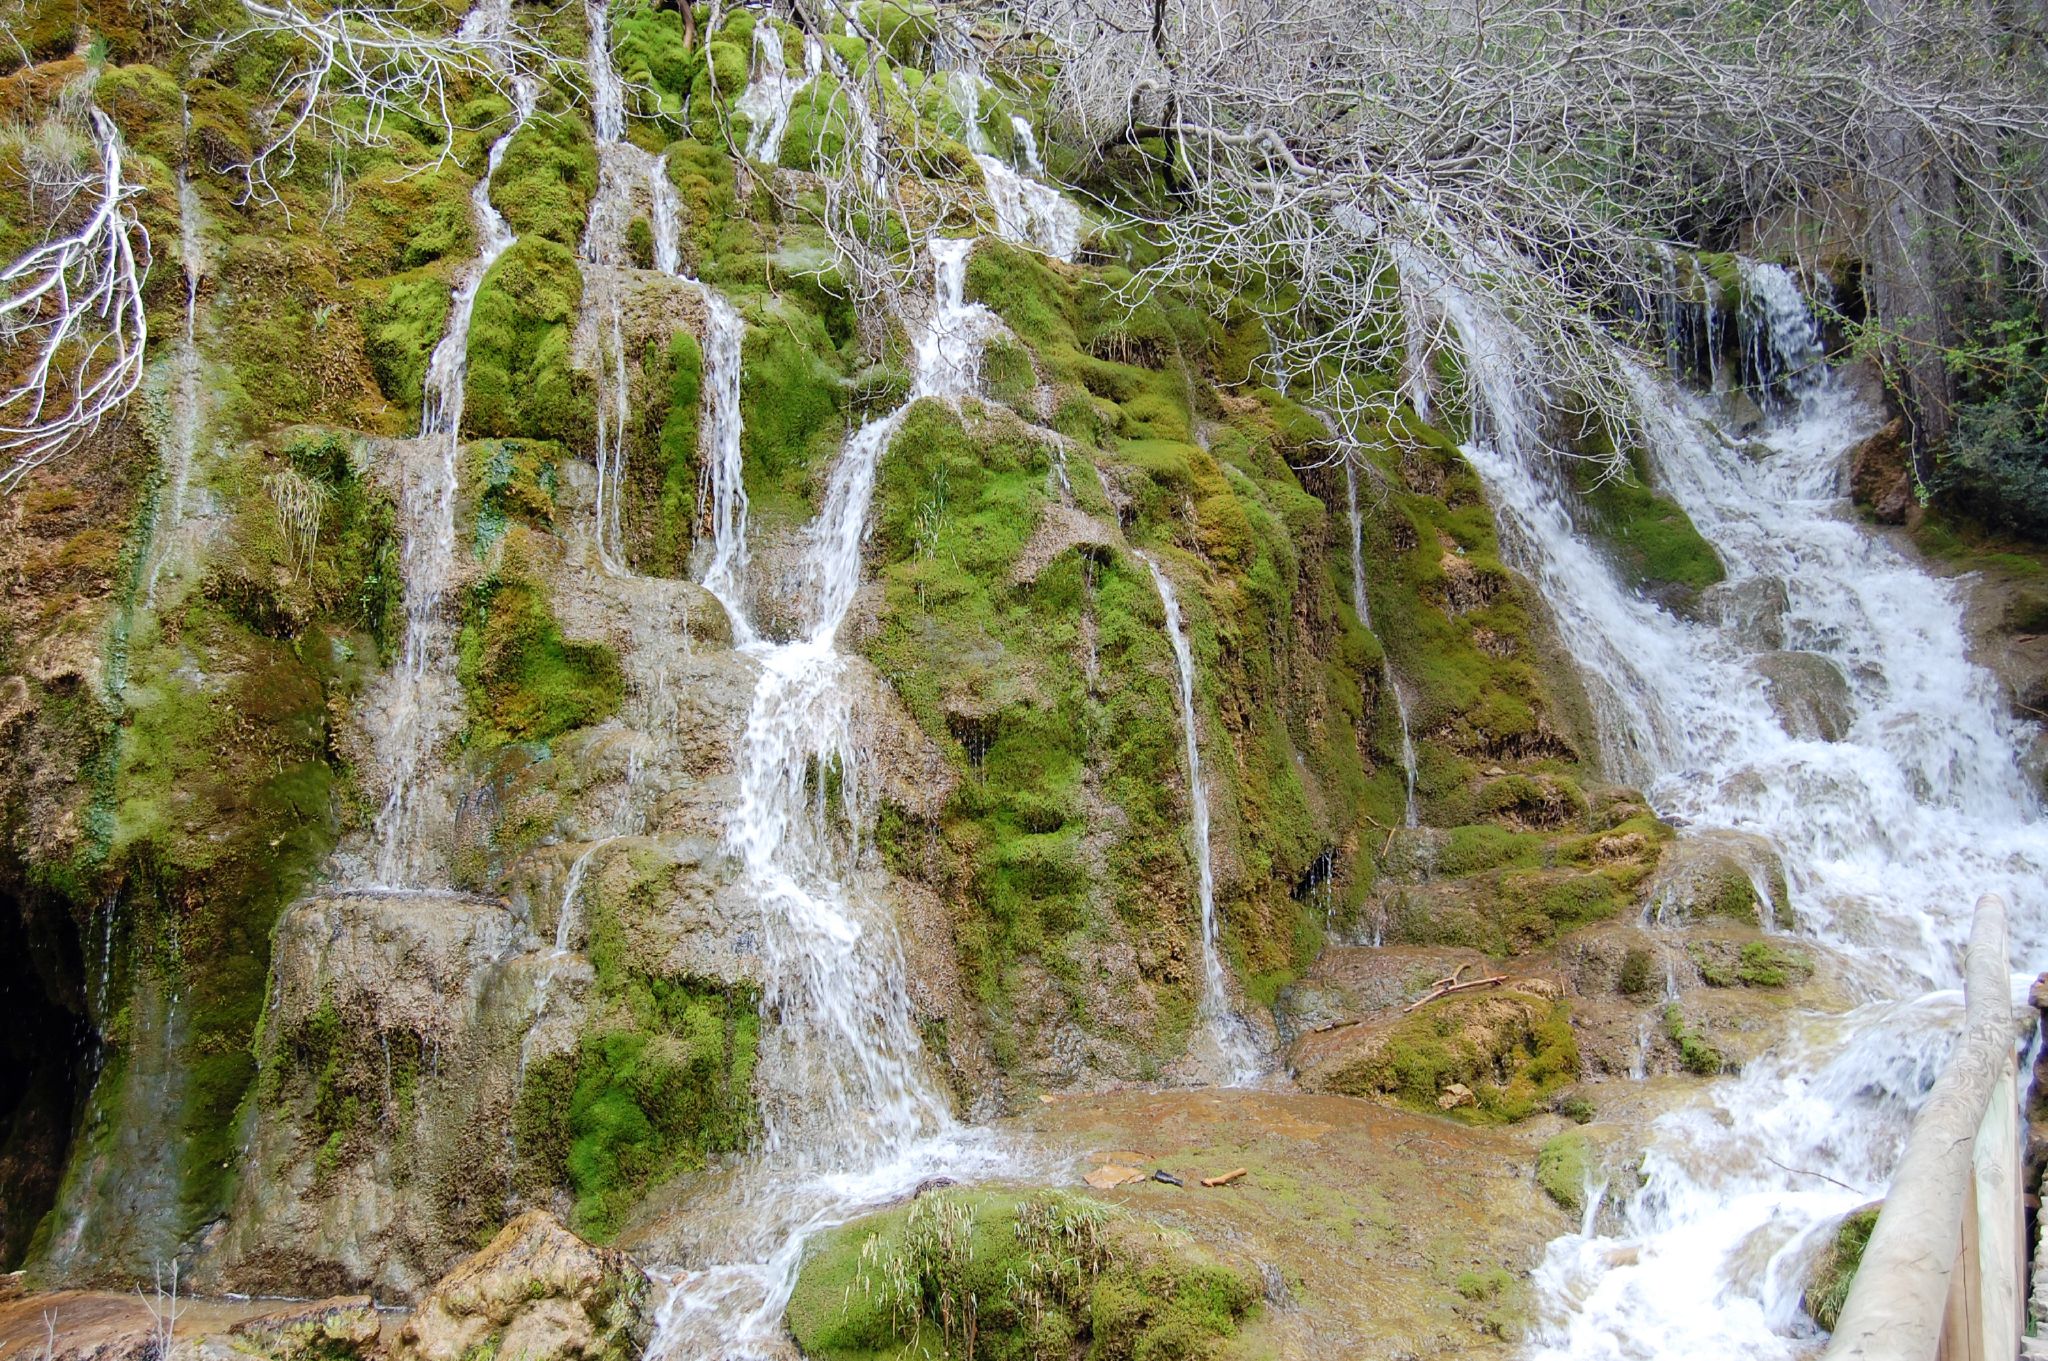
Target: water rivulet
point(1887, 834)
point(850, 1118)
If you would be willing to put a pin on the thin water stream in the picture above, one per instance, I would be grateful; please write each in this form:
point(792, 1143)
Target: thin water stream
point(1362, 607)
point(418, 706)
point(1236, 1059)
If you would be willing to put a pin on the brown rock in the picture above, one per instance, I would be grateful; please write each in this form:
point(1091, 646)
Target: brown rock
point(1454, 1096)
point(537, 1291)
point(1879, 474)
point(323, 1329)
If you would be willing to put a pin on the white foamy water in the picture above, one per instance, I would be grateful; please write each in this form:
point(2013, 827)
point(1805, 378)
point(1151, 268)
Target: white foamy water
point(772, 91)
point(1888, 835)
point(850, 1117)
point(418, 706)
point(1028, 211)
point(1236, 1058)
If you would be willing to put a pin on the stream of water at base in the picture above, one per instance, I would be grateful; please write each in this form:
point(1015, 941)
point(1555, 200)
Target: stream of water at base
point(1887, 835)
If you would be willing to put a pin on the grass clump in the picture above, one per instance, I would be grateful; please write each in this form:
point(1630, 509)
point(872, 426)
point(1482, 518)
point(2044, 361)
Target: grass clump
point(984, 1274)
point(1513, 1051)
point(1827, 1288)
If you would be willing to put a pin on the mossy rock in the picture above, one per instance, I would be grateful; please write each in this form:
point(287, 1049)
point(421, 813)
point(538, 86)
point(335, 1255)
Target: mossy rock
point(526, 682)
point(521, 379)
point(1563, 1165)
point(1039, 1274)
point(546, 178)
point(1509, 1049)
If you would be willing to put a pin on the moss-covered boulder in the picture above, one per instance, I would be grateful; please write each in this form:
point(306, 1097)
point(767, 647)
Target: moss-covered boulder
point(1490, 1055)
point(1003, 1274)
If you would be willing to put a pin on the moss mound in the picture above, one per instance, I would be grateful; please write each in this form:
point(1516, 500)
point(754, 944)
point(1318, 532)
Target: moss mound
point(993, 1275)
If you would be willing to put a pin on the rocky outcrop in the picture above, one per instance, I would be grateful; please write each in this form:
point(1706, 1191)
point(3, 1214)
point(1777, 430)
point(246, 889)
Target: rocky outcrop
point(1809, 693)
point(535, 1291)
point(323, 1330)
point(1881, 475)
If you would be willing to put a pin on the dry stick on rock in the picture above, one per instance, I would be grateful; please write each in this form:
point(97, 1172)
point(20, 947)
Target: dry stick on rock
point(1444, 987)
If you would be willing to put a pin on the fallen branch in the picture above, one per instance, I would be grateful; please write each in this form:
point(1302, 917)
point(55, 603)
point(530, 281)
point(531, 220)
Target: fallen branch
point(1445, 989)
point(1228, 1177)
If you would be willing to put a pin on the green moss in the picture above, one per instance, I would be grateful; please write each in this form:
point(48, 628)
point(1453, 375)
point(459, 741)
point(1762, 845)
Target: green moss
point(401, 329)
point(1758, 964)
point(648, 1102)
point(1653, 540)
point(544, 184)
point(792, 405)
point(525, 682)
point(1827, 1287)
point(678, 392)
point(1562, 1166)
point(1693, 1051)
point(1045, 1275)
point(521, 379)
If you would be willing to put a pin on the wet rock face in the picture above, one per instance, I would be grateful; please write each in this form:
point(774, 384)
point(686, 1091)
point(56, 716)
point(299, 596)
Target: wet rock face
point(1809, 693)
point(1880, 474)
point(535, 1291)
point(324, 1330)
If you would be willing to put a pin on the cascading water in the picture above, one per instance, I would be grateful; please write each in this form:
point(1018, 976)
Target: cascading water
point(724, 337)
point(772, 92)
point(419, 707)
point(1028, 212)
point(849, 1116)
point(1362, 607)
point(1237, 1054)
point(1887, 835)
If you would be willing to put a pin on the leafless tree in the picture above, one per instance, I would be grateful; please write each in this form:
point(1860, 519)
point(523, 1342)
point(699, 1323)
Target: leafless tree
point(1324, 154)
point(72, 325)
point(361, 68)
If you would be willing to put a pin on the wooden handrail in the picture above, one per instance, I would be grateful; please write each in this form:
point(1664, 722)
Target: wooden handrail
point(1940, 1278)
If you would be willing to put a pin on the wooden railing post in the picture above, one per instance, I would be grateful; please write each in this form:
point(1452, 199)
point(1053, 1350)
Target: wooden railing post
point(1939, 1279)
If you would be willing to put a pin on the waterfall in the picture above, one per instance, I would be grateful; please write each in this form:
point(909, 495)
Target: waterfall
point(849, 1116)
point(1028, 139)
point(1887, 835)
point(1363, 609)
point(1237, 1053)
point(772, 92)
point(419, 707)
point(1028, 212)
point(1782, 358)
point(719, 441)
point(622, 168)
